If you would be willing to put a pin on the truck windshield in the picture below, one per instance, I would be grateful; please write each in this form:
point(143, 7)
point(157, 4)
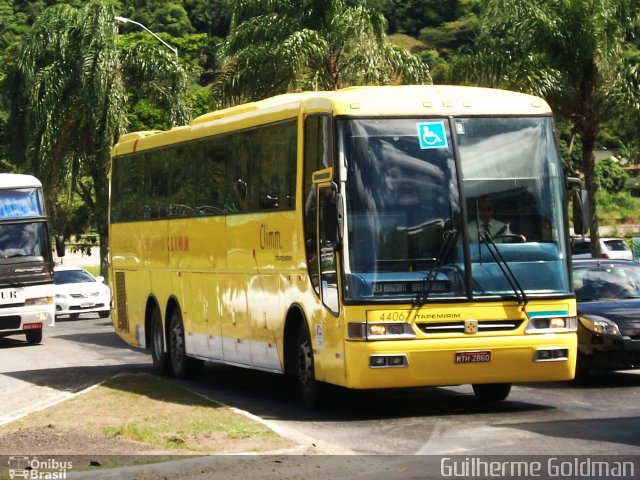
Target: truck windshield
point(409, 225)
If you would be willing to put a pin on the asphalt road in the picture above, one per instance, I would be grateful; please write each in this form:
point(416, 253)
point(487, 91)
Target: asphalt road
point(601, 417)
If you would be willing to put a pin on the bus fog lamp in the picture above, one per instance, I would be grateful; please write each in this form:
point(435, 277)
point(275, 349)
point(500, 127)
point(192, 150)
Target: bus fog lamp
point(395, 360)
point(377, 361)
point(551, 355)
point(388, 361)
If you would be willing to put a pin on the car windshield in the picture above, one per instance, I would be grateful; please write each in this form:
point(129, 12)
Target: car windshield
point(62, 277)
point(606, 282)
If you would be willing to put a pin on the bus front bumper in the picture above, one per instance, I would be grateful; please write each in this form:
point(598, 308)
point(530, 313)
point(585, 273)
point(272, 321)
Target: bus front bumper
point(455, 361)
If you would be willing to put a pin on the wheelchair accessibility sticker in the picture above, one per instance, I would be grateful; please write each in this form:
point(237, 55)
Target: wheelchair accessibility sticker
point(432, 135)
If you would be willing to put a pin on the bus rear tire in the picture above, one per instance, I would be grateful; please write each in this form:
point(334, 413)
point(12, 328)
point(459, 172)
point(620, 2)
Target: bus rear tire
point(183, 366)
point(491, 392)
point(160, 358)
point(34, 336)
point(311, 390)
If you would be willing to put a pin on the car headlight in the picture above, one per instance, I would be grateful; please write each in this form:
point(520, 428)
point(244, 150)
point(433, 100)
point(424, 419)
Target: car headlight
point(599, 324)
point(60, 295)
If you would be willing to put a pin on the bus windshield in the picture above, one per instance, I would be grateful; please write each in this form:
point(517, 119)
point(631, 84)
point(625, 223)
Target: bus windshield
point(20, 240)
point(446, 208)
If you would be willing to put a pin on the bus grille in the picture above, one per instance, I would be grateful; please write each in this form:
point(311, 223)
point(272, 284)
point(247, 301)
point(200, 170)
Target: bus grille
point(121, 299)
point(10, 322)
point(458, 327)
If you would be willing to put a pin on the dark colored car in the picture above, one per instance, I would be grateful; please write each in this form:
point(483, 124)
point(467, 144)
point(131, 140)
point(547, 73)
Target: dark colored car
point(608, 294)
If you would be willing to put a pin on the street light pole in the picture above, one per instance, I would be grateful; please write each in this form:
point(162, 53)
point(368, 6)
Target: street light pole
point(128, 20)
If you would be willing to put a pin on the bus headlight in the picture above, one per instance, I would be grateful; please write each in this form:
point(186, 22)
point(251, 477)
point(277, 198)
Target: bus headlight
point(552, 324)
point(39, 301)
point(598, 324)
point(380, 331)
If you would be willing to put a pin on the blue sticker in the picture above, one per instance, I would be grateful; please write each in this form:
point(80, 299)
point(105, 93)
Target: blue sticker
point(432, 135)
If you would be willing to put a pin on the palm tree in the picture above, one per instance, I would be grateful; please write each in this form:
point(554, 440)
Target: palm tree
point(571, 52)
point(67, 98)
point(276, 46)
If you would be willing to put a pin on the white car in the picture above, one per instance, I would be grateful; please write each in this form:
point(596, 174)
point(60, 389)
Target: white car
point(77, 291)
point(610, 248)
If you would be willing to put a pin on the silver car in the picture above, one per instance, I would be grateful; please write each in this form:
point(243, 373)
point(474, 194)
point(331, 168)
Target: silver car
point(610, 248)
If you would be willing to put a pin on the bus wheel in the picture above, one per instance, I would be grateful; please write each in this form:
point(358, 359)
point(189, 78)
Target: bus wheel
point(310, 388)
point(491, 392)
point(160, 357)
point(183, 366)
point(34, 336)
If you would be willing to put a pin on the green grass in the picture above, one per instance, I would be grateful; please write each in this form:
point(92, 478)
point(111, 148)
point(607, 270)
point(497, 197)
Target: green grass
point(157, 413)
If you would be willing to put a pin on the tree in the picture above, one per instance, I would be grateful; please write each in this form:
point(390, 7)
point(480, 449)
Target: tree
point(571, 52)
point(67, 95)
point(275, 46)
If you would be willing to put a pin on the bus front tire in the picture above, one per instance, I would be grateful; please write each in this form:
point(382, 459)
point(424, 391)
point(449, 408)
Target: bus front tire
point(183, 366)
point(160, 358)
point(311, 390)
point(491, 392)
point(34, 336)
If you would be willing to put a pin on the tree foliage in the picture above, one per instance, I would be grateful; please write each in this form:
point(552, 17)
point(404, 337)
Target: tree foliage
point(571, 52)
point(610, 176)
point(276, 46)
point(68, 96)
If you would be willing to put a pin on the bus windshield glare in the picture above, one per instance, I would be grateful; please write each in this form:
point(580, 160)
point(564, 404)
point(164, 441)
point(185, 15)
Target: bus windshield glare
point(443, 207)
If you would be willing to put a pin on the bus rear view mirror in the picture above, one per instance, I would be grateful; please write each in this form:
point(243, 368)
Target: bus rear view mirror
point(60, 250)
point(580, 212)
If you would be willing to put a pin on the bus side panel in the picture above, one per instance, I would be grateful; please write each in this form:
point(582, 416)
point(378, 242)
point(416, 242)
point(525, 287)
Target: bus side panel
point(197, 245)
point(204, 328)
point(236, 329)
point(266, 320)
point(129, 249)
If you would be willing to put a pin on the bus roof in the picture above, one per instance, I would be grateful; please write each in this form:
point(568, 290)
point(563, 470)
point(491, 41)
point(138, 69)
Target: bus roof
point(18, 180)
point(366, 101)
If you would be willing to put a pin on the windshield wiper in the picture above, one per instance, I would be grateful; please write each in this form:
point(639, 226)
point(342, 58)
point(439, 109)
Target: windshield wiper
point(485, 238)
point(449, 239)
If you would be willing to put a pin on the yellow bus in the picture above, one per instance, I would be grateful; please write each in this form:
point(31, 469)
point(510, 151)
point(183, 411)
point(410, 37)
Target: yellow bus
point(335, 237)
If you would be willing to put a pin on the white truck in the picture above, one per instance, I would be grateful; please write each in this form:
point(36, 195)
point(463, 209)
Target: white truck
point(27, 300)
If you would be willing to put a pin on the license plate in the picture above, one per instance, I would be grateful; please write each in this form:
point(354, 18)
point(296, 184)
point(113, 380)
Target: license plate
point(473, 357)
point(32, 326)
point(88, 305)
